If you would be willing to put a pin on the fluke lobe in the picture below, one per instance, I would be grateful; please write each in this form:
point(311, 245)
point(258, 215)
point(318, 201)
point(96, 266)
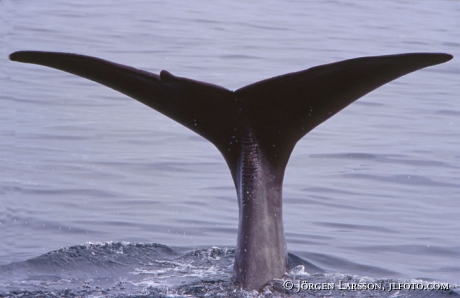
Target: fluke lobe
point(255, 128)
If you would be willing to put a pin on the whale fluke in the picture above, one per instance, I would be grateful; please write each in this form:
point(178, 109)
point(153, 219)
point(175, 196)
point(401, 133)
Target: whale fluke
point(255, 128)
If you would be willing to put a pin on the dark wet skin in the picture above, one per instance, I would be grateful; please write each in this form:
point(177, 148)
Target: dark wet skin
point(255, 128)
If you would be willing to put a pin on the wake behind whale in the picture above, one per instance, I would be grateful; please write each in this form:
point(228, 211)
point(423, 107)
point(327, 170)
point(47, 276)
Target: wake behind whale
point(255, 128)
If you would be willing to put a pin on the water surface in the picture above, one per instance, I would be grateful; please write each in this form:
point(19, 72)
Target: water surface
point(373, 192)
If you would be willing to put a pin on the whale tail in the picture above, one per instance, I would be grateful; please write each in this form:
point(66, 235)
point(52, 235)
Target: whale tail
point(279, 110)
point(255, 128)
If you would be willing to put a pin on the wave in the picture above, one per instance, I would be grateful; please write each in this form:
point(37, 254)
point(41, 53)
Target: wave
point(122, 269)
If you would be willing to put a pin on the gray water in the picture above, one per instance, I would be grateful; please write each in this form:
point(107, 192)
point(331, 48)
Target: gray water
point(373, 192)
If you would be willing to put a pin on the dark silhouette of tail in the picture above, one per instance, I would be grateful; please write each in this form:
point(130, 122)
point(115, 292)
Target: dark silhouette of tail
point(280, 110)
point(255, 128)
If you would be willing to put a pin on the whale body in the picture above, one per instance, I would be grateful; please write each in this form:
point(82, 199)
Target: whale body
point(255, 128)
